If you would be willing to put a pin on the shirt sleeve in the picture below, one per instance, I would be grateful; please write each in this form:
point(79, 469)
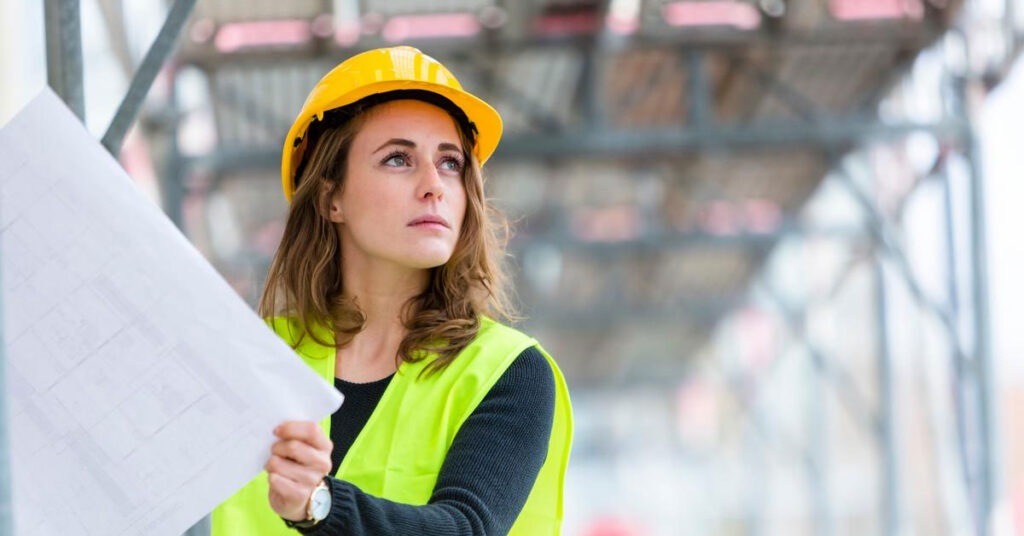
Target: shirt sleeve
point(477, 492)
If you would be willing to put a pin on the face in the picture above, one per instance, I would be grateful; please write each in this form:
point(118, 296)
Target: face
point(403, 199)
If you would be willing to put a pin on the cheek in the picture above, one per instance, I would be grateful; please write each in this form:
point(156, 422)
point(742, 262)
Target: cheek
point(460, 204)
point(367, 199)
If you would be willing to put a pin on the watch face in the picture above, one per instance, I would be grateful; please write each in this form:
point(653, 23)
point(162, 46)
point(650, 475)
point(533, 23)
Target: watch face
point(320, 503)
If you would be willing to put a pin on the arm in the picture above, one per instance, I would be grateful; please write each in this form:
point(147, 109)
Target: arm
point(477, 492)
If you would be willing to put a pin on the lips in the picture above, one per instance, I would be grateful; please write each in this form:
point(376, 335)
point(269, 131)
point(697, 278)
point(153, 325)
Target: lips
point(430, 219)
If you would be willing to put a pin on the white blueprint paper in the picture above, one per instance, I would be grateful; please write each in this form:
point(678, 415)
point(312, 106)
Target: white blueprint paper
point(142, 391)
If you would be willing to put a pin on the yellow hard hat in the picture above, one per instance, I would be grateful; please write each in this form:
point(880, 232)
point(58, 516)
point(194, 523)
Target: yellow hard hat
point(380, 71)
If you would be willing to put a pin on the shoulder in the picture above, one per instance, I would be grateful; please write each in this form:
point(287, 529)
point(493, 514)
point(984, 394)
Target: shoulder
point(522, 350)
point(492, 330)
point(531, 364)
point(496, 346)
point(494, 335)
point(530, 373)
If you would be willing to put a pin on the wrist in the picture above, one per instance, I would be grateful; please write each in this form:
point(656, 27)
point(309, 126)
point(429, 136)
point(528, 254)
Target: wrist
point(318, 505)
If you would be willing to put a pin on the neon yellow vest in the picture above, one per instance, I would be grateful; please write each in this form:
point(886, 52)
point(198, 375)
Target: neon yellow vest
point(399, 452)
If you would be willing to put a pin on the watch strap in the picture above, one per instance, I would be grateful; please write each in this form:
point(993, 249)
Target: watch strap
point(304, 524)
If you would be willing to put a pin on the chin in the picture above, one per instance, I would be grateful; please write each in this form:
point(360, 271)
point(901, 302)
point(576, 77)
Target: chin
point(428, 259)
point(425, 265)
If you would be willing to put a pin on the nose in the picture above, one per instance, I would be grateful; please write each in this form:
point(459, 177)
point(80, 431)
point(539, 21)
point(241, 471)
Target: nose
point(430, 185)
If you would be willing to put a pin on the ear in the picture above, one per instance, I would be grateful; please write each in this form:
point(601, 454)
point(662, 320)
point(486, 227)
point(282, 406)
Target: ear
point(333, 203)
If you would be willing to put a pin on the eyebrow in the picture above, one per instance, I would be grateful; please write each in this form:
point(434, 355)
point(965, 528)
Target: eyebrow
point(409, 143)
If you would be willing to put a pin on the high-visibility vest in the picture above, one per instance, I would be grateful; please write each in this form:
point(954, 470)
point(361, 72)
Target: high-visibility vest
point(399, 453)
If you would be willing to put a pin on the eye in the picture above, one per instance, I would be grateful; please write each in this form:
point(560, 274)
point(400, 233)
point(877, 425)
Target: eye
point(396, 159)
point(451, 163)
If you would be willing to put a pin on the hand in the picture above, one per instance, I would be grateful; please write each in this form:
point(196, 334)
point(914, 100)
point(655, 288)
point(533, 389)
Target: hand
point(299, 460)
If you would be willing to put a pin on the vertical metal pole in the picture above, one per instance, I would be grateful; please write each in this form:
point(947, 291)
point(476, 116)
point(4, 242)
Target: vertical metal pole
point(816, 474)
point(956, 347)
point(172, 187)
point(173, 192)
point(64, 52)
point(760, 476)
point(979, 367)
point(886, 431)
point(1010, 29)
point(6, 510)
point(590, 86)
point(952, 279)
point(981, 363)
point(699, 113)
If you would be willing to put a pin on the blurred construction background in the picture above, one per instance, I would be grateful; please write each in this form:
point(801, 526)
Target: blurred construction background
point(772, 243)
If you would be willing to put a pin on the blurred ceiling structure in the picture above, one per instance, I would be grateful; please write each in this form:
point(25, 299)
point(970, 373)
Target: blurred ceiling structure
point(735, 109)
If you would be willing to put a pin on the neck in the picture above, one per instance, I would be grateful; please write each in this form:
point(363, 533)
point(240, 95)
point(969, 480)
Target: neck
point(381, 291)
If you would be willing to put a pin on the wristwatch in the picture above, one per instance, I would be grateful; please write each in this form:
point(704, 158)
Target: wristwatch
point(317, 508)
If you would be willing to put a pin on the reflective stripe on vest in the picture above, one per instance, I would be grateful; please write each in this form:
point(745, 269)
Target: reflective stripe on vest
point(400, 450)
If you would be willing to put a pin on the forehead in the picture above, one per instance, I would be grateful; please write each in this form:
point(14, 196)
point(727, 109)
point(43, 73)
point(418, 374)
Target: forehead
point(410, 119)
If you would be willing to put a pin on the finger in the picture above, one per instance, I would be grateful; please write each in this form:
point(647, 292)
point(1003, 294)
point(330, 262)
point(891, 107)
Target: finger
point(286, 489)
point(303, 454)
point(286, 496)
point(306, 431)
point(300, 474)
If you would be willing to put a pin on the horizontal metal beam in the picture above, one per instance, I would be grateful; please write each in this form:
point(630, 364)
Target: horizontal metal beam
point(698, 312)
point(911, 36)
point(227, 159)
point(672, 241)
point(665, 142)
point(838, 134)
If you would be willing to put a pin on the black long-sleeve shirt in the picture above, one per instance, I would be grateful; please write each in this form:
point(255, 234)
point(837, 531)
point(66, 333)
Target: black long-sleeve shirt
point(486, 476)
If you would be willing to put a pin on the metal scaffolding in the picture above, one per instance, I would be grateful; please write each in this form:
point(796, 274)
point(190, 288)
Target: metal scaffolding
point(64, 69)
point(6, 508)
point(705, 128)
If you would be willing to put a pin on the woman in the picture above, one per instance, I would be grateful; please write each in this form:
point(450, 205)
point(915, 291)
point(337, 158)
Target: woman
point(386, 282)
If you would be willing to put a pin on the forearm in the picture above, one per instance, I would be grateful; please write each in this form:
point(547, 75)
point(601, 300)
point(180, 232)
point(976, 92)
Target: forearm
point(356, 513)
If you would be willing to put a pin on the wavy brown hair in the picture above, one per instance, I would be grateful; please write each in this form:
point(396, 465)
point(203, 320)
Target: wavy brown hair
point(304, 281)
